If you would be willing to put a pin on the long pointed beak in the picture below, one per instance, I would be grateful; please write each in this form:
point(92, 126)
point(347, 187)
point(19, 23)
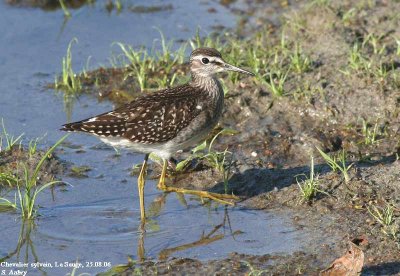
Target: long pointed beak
point(230, 67)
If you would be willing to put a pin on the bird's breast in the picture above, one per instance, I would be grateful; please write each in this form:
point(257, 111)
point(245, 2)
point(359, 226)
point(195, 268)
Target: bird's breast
point(202, 124)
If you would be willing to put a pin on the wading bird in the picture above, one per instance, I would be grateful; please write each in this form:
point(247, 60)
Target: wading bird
point(168, 120)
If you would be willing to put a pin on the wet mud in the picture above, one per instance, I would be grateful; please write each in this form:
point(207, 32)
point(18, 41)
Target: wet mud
point(324, 107)
point(14, 161)
point(48, 5)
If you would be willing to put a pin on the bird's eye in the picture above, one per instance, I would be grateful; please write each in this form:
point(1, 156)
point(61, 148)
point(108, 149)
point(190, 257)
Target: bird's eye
point(205, 60)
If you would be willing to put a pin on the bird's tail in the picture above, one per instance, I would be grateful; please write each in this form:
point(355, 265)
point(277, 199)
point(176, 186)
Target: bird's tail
point(77, 126)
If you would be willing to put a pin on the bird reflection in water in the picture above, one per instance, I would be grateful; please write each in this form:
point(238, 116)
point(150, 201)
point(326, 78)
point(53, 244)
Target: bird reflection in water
point(217, 232)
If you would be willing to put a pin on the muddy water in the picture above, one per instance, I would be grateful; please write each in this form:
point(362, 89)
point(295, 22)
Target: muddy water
point(95, 220)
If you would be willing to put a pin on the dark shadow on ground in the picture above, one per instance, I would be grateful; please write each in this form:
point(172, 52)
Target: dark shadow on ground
point(391, 268)
point(256, 181)
point(385, 160)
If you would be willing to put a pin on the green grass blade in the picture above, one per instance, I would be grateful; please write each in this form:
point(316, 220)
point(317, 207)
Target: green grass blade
point(50, 151)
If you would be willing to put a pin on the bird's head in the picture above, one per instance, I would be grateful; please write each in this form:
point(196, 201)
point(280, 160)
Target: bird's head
point(207, 62)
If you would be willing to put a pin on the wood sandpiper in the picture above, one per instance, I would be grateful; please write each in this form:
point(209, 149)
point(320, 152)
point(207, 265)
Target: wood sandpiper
point(168, 120)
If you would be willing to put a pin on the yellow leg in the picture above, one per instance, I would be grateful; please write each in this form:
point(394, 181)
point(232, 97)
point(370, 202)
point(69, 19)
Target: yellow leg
point(141, 183)
point(140, 248)
point(221, 198)
point(161, 183)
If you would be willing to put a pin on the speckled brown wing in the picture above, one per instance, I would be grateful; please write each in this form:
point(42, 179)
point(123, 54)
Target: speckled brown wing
point(155, 118)
point(161, 116)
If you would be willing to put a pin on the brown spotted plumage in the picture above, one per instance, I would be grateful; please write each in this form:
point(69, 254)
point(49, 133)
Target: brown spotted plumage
point(169, 120)
point(154, 118)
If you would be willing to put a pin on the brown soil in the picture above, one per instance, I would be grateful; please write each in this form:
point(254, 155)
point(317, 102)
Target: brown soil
point(48, 4)
point(323, 107)
point(118, 85)
point(14, 161)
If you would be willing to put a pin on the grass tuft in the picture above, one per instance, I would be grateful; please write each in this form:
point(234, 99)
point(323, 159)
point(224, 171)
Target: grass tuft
point(208, 41)
point(9, 140)
point(140, 64)
point(398, 46)
point(143, 63)
point(299, 62)
point(254, 271)
point(386, 218)
point(370, 133)
point(69, 81)
point(309, 187)
point(276, 83)
point(337, 163)
point(9, 179)
point(356, 59)
point(27, 188)
point(32, 147)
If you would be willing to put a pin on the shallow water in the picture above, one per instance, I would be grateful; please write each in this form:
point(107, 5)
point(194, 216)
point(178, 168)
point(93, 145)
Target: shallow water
point(107, 231)
point(96, 219)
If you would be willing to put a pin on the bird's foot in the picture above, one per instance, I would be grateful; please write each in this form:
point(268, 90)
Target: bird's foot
point(172, 164)
point(221, 198)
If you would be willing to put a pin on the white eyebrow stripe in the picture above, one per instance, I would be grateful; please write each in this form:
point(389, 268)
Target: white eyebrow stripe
point(198, 57)
point(212, 59)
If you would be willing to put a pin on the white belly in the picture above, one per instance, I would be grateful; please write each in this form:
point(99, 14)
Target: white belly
point(165, 150)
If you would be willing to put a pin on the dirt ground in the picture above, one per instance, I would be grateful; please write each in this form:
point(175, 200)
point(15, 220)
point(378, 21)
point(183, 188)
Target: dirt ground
point(48, 4)
point(324, 107)
point(15, 159)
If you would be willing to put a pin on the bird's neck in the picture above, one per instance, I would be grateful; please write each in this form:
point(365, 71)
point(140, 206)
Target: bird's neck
point(207, 83)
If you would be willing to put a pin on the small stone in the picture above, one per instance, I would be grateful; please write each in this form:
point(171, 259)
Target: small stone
point(254, 154)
